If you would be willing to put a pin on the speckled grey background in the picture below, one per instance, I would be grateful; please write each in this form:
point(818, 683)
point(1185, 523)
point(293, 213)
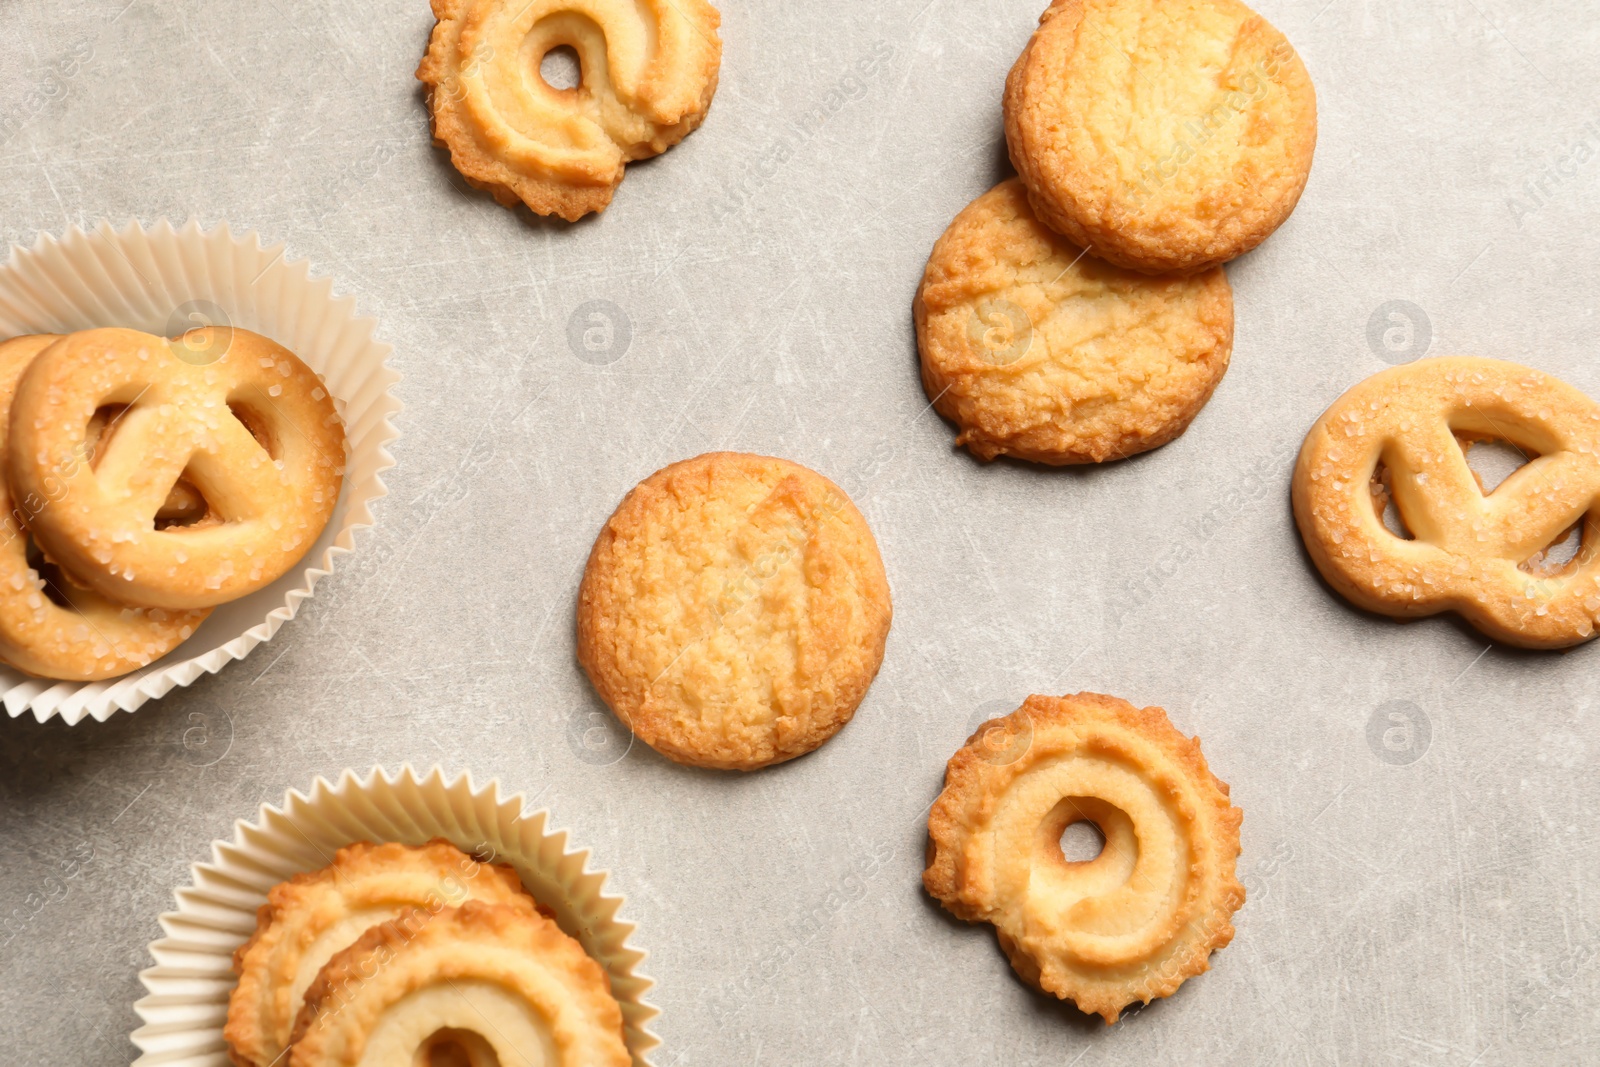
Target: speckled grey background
point(1425, 897)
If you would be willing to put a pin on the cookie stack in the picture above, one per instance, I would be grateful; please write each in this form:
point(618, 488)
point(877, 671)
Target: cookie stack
point(396, 953)
point(1079, 312)
point(148, 481)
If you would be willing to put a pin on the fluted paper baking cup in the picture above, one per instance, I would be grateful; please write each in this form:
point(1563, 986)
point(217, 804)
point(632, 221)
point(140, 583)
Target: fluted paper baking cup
point(166, 281)
point(187, 1004)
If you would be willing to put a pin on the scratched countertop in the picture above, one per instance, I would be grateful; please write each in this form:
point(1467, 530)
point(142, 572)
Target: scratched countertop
point(1419, 842)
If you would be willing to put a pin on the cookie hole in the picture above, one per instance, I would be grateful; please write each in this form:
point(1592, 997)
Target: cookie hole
point(185, 506)
point(55, 579)
point(561, 68)
point(1082, 841)
point(450, 1047)
point(1493, 459)
point(1561, 556)
point(102, 427)
point(1383, 504)
point(257, 424)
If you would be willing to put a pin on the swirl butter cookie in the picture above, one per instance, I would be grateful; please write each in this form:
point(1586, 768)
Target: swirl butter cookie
point(648, 69)
point(311, 917)
point(1403, 434)
point(1038, 351)
point(1166, 135)
point(476, 986)
point(1141, 917)
point(733, 611)
point(51, 626)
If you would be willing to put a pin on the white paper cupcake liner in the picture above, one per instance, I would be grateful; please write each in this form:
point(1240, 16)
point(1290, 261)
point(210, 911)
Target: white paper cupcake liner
point(147, 280)
point(187, 1004)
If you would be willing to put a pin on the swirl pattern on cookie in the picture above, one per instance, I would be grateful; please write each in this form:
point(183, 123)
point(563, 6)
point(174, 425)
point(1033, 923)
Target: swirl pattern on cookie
point(1038, 351)
point(86, 637)
point(311, 917)
point(1137, 920)
point(1402, 434)
point(481, 985)
point(1166, 135)
point(648, 72)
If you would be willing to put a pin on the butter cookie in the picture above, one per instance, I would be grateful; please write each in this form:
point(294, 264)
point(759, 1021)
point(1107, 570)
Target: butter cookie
point(254, 431)
point(1141, 917)
point(50, 625)
point(311, 917)
point(1166, 135)
point(733, 611)
point(1402, 435)
point(648, 69)
point(1038, 351)
point(481, 985)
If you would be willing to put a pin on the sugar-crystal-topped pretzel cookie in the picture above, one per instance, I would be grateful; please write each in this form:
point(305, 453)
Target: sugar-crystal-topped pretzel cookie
point(1038, 351)
point(1166, 135)
point(254, 431)
point(481, 985)
point(734, 610)
point(1141, 917)
point(648, 71)
point(85, 637)
point(1480, 554)
point(313, 916)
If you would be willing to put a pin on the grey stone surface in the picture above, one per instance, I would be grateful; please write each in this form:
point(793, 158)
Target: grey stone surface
point(1431, 906)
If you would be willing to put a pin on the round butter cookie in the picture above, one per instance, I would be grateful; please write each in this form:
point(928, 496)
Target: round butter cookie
point(481, 985)
point(311, 917)
point(1038, 351)
point(733, 611)
point(1403, 435)
point(648, 69)
point(50, 625)
point(1130, 924)
point(1166, 135)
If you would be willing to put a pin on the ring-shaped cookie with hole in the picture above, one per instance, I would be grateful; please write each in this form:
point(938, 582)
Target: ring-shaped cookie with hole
point(648, 69)
point(313, 916)
point(254, 431)
point(1164, 135)
point(50, 625)
point(481, 984)
point(1482, 555)
point(1141, 917)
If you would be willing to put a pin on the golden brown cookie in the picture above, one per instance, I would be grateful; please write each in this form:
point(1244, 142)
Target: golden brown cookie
point(253, 429)
point(734, 610)
point(310, 918)
point(481, 985)
point(1166, 135)
point(85, 637)
point(1137, 920)
point(1038, 351)
point(648, 71)
point(1404, 431)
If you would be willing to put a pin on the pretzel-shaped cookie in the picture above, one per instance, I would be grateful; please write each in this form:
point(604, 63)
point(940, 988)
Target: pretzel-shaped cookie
point(255, 432)
point(648, 68)
point(1472, 552)
point(91, 637)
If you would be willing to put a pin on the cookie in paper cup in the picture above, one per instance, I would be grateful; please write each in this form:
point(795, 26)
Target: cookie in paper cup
point(168, 282)
point(187, 1005)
